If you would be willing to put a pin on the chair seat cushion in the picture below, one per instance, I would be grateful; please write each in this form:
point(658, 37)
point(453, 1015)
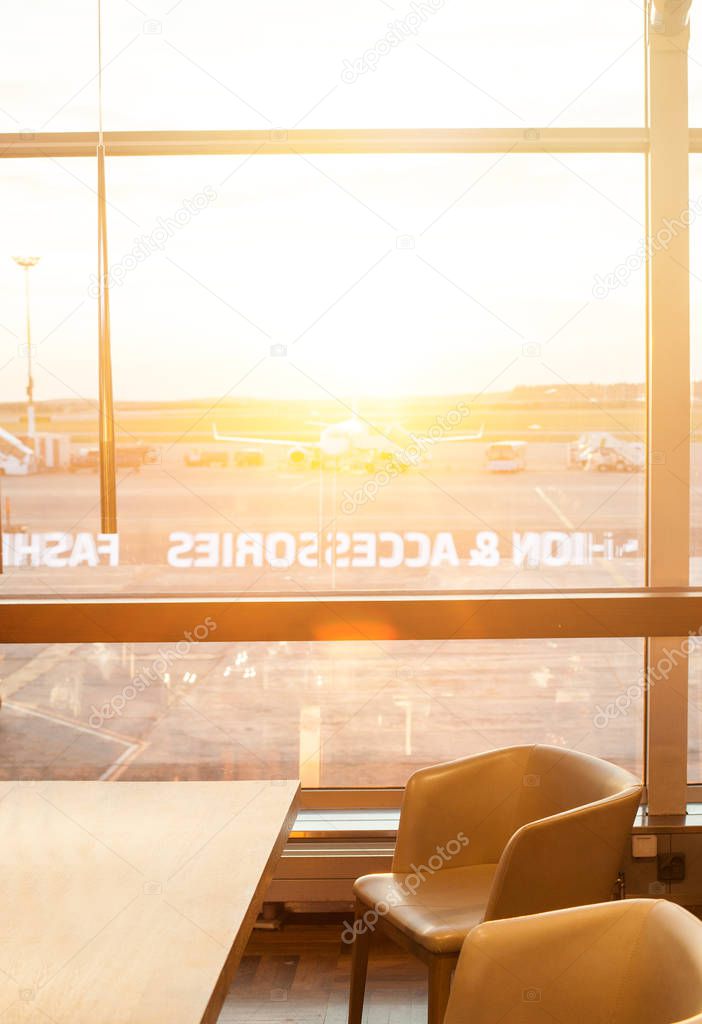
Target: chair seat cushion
point(437, 911)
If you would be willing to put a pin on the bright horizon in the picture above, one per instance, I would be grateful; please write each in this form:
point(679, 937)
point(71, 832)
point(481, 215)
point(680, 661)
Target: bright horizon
point(354, 265)
point(381, 276)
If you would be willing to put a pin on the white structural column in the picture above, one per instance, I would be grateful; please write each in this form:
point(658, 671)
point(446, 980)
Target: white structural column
point(669, 392)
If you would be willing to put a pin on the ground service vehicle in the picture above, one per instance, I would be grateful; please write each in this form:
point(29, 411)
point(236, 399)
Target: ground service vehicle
point(506, 456)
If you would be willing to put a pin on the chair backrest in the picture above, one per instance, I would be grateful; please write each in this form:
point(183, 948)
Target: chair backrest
point(490, 796)
point(573, 816)
point(475, 796)
point(669, 973)
point(554, 820)
point(626, 962)
point(558, 780)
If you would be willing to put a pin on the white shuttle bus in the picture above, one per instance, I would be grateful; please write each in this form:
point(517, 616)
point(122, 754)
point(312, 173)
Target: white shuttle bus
point(16, 458)
point(506, 456)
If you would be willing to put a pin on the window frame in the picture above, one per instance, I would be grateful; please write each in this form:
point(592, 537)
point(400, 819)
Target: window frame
point(666, 611)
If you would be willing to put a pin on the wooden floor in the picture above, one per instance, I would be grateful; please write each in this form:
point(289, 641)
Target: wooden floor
point(300, 975)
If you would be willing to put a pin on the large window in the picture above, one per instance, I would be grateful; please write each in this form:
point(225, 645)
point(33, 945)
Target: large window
point(337, 372)
point(318, 64)
point(399, 305)
point(336, 715)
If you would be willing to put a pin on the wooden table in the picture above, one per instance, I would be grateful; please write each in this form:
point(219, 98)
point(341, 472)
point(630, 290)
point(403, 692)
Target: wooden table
point(131, 902)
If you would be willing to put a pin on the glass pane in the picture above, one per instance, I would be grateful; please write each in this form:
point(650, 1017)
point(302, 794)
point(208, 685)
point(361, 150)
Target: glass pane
point(48, 53)
point(694, 70)
point(325, 63)
point(695, 231)
point(693, 647)
point(346, 714)
point(407, 372)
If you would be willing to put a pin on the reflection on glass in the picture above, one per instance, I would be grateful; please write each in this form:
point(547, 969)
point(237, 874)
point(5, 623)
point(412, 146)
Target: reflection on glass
point(332, 373)
point(347, 714)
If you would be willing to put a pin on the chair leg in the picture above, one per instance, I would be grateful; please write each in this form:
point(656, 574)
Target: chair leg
point(440, 970)
point(359, 968)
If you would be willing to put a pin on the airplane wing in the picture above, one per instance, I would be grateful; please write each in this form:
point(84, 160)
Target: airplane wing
point(15, 441)
point(286, 442)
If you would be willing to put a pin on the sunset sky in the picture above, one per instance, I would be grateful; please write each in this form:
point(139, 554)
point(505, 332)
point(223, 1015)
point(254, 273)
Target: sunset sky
point(380, 275)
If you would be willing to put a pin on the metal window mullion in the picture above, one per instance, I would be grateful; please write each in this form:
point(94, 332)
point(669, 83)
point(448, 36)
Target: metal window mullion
point(536, 140)
point(372, 618)
point(668, 475)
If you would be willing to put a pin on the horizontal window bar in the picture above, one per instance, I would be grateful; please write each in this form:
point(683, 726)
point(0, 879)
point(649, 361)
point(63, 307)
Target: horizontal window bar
point(346, 825)
point(281, 141)
point(367, 800)
point(334, 617)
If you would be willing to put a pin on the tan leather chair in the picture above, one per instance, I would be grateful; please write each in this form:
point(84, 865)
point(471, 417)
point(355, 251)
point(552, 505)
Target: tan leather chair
point(510, 832)
point(628, 962)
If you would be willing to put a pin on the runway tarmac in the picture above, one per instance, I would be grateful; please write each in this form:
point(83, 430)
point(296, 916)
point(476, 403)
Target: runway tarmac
point(219, 529)
point(336, 714)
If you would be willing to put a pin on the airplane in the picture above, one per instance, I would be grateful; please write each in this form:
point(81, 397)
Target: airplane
point(16, 458)
point(355, 441)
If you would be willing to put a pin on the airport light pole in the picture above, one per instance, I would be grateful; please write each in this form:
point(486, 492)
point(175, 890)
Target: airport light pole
point(27, 262)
